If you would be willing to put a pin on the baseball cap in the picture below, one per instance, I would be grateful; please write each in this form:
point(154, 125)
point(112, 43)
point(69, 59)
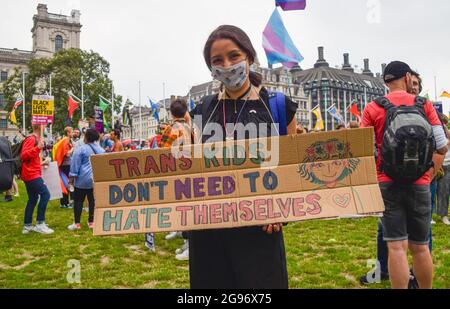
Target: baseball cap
point(395, 70)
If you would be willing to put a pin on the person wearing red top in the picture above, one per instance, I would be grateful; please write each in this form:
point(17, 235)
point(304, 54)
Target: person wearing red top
point(406, 220)
point(32, 177)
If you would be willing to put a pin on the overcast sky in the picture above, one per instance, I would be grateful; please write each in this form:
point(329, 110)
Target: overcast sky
point(158, 41)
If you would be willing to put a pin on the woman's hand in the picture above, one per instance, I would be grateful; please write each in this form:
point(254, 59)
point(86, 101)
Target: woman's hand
point(272, 228)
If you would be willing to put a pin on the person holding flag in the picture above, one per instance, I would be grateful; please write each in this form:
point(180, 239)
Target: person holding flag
point(62, 153)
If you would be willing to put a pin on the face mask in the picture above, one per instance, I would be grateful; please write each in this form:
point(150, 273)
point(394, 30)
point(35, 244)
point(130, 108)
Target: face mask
point(233, 77)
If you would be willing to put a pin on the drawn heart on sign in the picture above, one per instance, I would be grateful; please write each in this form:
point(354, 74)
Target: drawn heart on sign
point(342, 200)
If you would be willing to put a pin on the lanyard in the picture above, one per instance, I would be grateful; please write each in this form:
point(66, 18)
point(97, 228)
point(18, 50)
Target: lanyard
point(228, 135)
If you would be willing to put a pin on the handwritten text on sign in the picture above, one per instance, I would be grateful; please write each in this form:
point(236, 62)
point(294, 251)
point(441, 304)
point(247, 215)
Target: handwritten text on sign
point(318, 176)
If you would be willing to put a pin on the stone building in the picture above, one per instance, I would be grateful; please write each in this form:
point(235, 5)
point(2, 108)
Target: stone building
point(50, 33)
point(6, 127)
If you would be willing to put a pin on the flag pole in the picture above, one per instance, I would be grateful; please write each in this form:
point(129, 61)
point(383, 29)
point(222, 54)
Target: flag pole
point(310, 110)
point(23, 97)
point(112, 104)
point(50, 90)
point(365, 97)
point(345, 106)
point(435, 89)
point(140, 114)
point(82, 95)
point(326, 112)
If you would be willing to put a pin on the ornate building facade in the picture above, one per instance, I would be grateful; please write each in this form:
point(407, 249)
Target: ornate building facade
point(50, 33)
point(341, 87)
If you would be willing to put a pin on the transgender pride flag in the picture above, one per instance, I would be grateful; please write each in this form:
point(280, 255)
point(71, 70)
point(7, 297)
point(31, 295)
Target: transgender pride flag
point(291, 5)
point(278, 44)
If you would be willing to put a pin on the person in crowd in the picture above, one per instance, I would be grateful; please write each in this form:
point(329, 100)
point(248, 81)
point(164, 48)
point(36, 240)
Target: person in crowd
point(115, 137)
point(340, 126)
point(443, 182)
point(32, 177)
point(250, 257)
point(301, 129)
point(177, 134)
point(106, 143)
point(382, 249)
point(406, 220)
point(81, 178)
point(76, 136)
point(354, 125)
point(62, 154)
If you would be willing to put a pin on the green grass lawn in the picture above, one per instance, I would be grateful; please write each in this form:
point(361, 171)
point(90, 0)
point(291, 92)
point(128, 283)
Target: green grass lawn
point(322, 254)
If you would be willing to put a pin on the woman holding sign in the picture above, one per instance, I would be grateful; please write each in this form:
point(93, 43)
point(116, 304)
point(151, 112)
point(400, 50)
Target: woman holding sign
point(251, 257)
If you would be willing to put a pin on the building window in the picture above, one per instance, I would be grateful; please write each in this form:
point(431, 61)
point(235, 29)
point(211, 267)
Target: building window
point(2, 101)
point(3, 76)
point(58, 43)
point(3, 123)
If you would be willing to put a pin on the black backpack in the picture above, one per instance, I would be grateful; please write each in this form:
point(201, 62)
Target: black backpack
point(6, 165)
point(408, 141)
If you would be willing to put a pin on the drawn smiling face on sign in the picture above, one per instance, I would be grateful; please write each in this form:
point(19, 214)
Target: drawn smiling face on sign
point(328, 174)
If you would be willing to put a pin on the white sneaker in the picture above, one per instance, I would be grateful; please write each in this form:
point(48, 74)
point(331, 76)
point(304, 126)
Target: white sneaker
point(183, 248)
point(43, 229)
point(74, 227)
point(173, 235)
point(446, 220)
point(28, 229)
point(184, 256)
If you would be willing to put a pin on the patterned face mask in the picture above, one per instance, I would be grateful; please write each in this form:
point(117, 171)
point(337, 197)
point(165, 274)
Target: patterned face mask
point(233, 77)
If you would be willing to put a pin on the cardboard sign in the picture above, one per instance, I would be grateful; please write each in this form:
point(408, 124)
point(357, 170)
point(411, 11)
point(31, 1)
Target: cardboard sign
point(42, 109)
point(237, 183)
point(51, 179)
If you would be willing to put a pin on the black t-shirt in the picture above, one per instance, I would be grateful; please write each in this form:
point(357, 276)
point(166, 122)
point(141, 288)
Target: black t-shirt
point(243, 112)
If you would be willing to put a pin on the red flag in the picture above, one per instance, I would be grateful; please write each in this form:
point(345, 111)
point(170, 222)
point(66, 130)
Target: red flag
point(19, 102)
point(355, 112)
point(73, 105)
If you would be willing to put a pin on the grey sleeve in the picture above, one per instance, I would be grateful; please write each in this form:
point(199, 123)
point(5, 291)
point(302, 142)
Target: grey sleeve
point(439, 136)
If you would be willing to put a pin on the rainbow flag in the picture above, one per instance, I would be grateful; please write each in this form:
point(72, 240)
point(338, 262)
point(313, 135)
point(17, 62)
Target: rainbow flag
point(291, 5)
point(278, 44)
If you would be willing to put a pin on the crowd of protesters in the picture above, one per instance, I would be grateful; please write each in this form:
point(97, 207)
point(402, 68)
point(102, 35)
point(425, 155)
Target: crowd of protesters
point(248, 257)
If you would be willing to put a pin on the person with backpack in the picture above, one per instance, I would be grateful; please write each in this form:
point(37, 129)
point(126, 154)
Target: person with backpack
point(407, 133)
point(81, 178)
point(382, 250)
point(177, 134)
point(248, 257)
point(443, 181)
point(31, 174)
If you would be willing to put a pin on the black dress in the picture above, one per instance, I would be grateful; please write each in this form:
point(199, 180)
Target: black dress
point(239, 258)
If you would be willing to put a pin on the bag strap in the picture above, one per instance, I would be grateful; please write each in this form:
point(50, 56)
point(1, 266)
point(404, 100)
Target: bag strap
point(420, 102)
point(277, 102)
point(384, 103)
point(206, 102)
point(95, 152)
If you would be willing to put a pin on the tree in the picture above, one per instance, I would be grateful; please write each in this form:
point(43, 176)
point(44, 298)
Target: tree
point(66, 68)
